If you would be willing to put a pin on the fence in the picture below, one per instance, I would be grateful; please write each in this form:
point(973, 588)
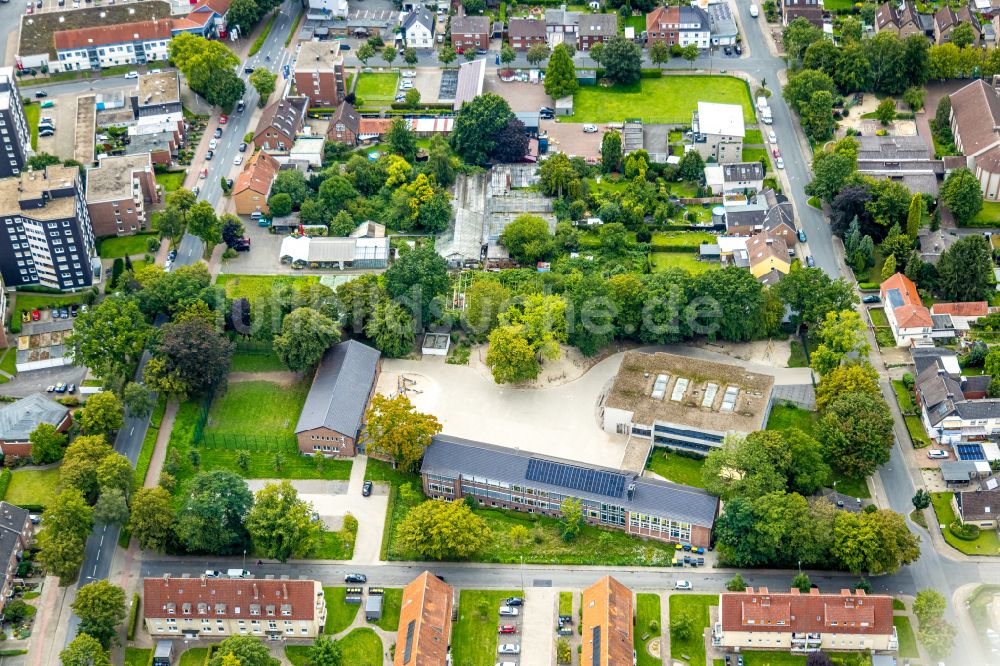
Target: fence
point(254, 443)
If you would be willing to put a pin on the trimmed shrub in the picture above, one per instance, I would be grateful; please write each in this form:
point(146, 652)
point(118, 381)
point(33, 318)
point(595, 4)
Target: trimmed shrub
point(964, 531)
point(133, 617)
point(5, 477)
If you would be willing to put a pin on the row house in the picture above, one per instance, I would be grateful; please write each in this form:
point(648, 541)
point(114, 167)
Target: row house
point(136, 43)
point(596, 28)
point(947, 19)
point(20, 418)
point(253, 184)
point(16, 534)
point(902, 21)
point(279, 124)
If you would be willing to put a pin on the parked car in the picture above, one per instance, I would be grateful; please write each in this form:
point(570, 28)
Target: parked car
point(248, 70)
point(937, 454)
point(780, 163)
point(61, 387)
point(25, 316)
point(36, 315)
point(285, 70)
point(240, 106)
point(74, 309)
point(209, 155)
point(509, 648)
point(64, 312)
point(223, 119)
point(197, 189)
point(212, 573)
point(408, 74)
point(738, 49)
point(366, 489)
point(242, 245)
point(802, 236)
point(507, 611)
point(872, 298)
point(771, 136)
point(229, 183)
point(213, 144)
point(218, 132)
point(132, 75)
point(727, 50)
point(810, 262)
point(46, 132)
point(355, 578)
point(243, 146)
point(508, 629)
point(171, 255)
point(683, 585)
point(515, 601)
point(345, 47)
point(590, 129)
point(50, 389)
point(400, 98)
point(238, 159)
point(204, 173)
point(406, 85)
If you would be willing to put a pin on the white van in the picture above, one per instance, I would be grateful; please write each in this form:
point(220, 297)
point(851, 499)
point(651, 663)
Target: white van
point(754, 12)
point(237, 573)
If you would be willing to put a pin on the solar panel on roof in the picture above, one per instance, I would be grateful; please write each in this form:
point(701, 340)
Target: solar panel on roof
point(894, 297)
point(970, 452)
point(595, 481)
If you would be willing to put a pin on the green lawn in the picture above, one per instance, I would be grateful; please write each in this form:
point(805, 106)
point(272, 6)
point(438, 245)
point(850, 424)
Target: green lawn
point(753, 137)
point(339, 614)
point(989, 216)
point(785, 417)
point(907, 639)
point(170, 181)
point(987, 542)
point(29, 486)
point(26, 300)
point(689, 239)
point(194, 657)
point(637, 22)
point(252, 361)
point(755, 155)
point(373, 88)
point(337, 545)
point(113, 247)
point(902, 395)
point(878, 317)
point(392, 601)
point(149, 441)
point(137, 656)
point(474, 635)
point(361, 647)
point(768, 658)
point(898, 605)
point(853, 487)
point(696, 606)
point(687, 260)
point(32, 113)
point(253, 286)
point(8, 361)
point(918, 435)
point(647, 611)
point(797, 355)
point(565, 603)
point(670, 99)
point(257, 407)
point(297, 655)
point(677, 468)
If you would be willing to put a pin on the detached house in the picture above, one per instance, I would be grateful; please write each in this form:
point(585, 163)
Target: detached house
point(345, 126)
point(253, 184)
point(679, 26)
point(810, 10)
point(908, 318)
point(524, 33)
point(562, 26)
point(719, 131)
point(975, 124)
point(899, 21)
point(19, 419)
point(469, 32)
point(279, 123)
point(947, 19)
point(418, 29)
point(596, 28)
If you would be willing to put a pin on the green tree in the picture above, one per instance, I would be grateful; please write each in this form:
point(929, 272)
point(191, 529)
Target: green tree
point(420, 274)
point(739, 304)
point(962, 195)
point(929, 606)
point(440, 530)
point(559, 177)
point(622, 60)
point(560, 74)
point(659, 52)
point(886, 111)
point(485, 300)
point(138, 399)
point(410, 56)
point(877, 542)
point(537, 53)
point(596, 52)
point(765, 462)
point(280, 204)
point(690, 53)
point(191, 358)
point(889, 267)
point(209, 68)
point(965, 270)
point(394, 428)
point(152, 518)
point(914, 98)
point(102, 414)
point(305, 336)
point(885, 52)
point(325, 652)
point(389, 53)
point(691, 166)
point(571, 518)
point(85, 650)
point(476, 126)
point(400, 140)
point(412, 98)
point(846, 379)
point(915, 216)
point(507, 54)
point(842, 336)
point(280, 524)
point(803, 85)
point(797, 36)
point(510, 357)
point(79, 468)
point(171, 292)
point(832, 169)
point(203, 223)
point(391, 328)
point(736, 584)
point(47, 444)
point(101, 609)
point(366, 52)
point(440, 161)
point(245, 14)
point(248, 651)
point(802, 583)
point(68, 521)
point(527, 239)
point(962, 35)
point(817, 115)
point(854, 72)
point(447, 55)
point(115, 472)
point(681, 626)
point(263, 82)
point(822, 55)
point(292, 183)
point(937, 638)
point(856, 433)
point(109, 338)
point(211, 518)
point(611, 149)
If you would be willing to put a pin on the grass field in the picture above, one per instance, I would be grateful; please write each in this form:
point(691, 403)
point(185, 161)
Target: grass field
point(474, 635)
point(878, 317)
point(339, 614)
point(853, 487)
point(253, 286)
point(987, 542)
point(696, 606)
point(647, 611)
point(755, 155)
point(687, 260)
point(902, 396)
point(907, 639)
point(332, 545)
point(392, 600)
point(754, 137)
point(8, 363)
point(137, 656)
point(297, 655)
point(688, 239)
point(32, 113)
point(797, 355)
point(677, 468)
point(670, 99)
point(113, 247)
point(918, 435)
point(637, 22)
point(257, 407)
point(248, 361)
point(784, 417)
point(361, 647)
point(29, 486)
point(170, 181)
point(374, 88)
point(194, 657)
point(989, 216)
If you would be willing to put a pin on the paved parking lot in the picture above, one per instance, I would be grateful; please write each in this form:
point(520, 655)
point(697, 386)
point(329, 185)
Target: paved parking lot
point(520, 96)
point(63, 116)
point(428, 83)
point(541, 606)
point(570, 138)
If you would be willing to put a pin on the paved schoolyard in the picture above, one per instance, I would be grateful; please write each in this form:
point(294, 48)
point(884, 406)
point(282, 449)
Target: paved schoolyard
point(559, 421)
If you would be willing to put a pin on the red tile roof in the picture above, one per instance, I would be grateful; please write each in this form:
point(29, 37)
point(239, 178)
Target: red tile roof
point(913, 316)
point(844, 613)
point(374, 126)
point(113, 34)
point(225, 598)
point(607, 621)
point(258, 174)
point(424, 622)
point(661, 17)
point(907, 289)
point(972, 309)
point(912, 313)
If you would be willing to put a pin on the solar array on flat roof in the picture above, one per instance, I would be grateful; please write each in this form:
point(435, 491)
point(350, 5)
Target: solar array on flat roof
point(729, 399)
point(680, 388)
point(600, 482)
point(710, 392)
point(970, 452)
point(660, 387)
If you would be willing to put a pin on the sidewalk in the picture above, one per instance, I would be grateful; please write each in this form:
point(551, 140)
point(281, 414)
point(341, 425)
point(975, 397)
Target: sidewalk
point(160, 448)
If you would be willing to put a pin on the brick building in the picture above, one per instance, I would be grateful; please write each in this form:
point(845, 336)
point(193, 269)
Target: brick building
point(524, 33)
point(319, 74)
point(118, 189)
point(607, 624)
point(19, 419)
point(424, 622)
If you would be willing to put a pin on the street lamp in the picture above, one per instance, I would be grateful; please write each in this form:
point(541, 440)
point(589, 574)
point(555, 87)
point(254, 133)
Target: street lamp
point(244, 559)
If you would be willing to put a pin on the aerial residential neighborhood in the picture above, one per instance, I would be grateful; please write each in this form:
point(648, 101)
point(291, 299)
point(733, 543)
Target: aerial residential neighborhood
point(478, 333)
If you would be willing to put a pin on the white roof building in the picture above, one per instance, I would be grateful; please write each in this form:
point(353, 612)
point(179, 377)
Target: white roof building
point(724, 119)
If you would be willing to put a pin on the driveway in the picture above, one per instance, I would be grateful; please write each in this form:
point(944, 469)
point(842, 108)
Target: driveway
point(560, 421)
point(332, 500)
point(541, 605)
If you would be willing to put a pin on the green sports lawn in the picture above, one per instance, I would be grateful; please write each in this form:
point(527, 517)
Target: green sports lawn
point(137, 656)
point(373, 87)
point(670, 99)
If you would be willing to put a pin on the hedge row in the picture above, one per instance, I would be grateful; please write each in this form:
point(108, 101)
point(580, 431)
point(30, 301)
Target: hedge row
point(5, 477)
point(133, 617)
point(964, 531)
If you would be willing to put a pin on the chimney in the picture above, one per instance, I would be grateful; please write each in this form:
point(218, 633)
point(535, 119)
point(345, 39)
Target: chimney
point(631, 491)
point(256, 592)
point(941, 372)
point(166, 580)
point(284, 591)
point(204, 581)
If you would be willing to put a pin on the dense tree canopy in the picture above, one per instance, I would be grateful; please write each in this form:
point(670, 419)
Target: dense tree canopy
point(211, 518)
